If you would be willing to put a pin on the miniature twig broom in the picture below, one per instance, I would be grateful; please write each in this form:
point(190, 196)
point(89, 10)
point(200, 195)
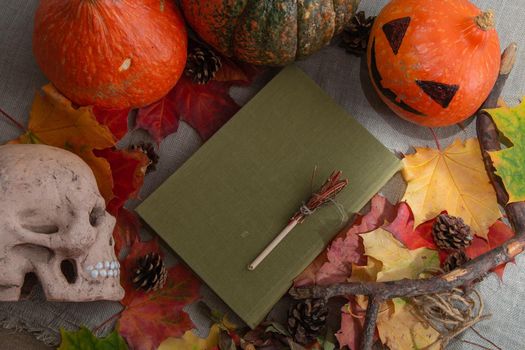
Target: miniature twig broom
point(326, 194)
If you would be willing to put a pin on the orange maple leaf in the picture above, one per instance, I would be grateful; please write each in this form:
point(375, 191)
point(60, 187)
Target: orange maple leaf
point(54, 121)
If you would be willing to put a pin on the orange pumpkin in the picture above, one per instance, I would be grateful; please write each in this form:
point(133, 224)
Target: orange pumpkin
point(433, 62)
point(113, 54)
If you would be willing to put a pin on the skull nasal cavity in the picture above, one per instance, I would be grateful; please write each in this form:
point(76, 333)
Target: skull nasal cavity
point(30, 281)
point(69, 270)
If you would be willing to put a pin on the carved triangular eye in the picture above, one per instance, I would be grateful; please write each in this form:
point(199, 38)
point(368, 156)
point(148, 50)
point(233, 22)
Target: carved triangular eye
point(395, 32)
point(439, 92)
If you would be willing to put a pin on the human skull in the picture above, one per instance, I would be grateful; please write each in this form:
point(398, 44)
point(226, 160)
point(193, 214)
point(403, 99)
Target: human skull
point(53, 224)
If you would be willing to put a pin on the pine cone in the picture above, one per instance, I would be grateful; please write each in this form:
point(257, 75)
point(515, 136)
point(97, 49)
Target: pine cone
point(150, 273)
point(356, 35)
point(149, 150)
point(306, 319)
point(202, 65)
point(451, 233)
point(455, 260)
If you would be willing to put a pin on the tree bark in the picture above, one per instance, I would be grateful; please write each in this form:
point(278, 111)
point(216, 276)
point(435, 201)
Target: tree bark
point(372, 312)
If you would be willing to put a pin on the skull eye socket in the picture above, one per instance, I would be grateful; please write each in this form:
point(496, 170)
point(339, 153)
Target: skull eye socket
point(36, 222)
point(42, 229)
point(95, 215)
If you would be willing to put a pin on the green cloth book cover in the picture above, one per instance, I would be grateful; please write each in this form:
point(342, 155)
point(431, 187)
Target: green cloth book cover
point(239, 190)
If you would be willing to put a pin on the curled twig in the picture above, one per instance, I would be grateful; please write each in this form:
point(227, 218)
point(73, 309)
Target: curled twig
point(449, 313)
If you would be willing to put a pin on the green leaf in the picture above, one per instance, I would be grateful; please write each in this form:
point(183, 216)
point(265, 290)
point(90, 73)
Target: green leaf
point(83, 339)
point(510, 162)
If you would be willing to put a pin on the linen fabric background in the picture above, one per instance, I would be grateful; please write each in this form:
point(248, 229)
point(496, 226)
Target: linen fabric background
point(344, 78)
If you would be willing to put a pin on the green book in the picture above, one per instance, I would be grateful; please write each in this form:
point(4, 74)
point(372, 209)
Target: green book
point(239, 190)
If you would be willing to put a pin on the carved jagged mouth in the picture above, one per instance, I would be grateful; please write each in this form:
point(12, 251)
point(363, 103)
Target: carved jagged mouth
point(389, 94)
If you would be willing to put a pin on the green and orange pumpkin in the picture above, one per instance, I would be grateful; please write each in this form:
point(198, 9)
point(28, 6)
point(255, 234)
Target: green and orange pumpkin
point(262, 32)
point(113, 54)
point(433, 62)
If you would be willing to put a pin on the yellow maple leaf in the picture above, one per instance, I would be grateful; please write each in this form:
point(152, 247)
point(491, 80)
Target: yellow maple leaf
point(189, 341)
point(54, 121)
point(400, 329)
point(398, 262)
point(389, 260)
point(366, 273)
point(454, 180)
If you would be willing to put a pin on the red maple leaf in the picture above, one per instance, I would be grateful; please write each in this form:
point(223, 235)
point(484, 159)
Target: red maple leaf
point(342, 253)
point(150, 318)
point(205, 107)
point(137, 250)
point(403, 229)
point(239, 73)
point(126, 230)
point(335, 265)
point(160, 119)
point(499, 233)
point(115, 119)
point(421, 237)
point(128, 169)
point(352, 324)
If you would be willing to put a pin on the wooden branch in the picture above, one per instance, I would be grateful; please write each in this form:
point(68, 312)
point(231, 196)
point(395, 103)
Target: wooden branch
point(508, 59)
point(486, 129)
point(372, 311)
point(466, 274)
point(489, 141)
point(406, 288)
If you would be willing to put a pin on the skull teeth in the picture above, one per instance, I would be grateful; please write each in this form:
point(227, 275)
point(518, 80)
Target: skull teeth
point(104, 269)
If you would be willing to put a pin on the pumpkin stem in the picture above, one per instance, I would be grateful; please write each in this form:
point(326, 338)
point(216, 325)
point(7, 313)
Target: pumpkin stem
point(485, 21)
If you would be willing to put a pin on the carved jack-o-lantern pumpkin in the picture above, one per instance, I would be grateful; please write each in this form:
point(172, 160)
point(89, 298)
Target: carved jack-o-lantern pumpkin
point(433, 62)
